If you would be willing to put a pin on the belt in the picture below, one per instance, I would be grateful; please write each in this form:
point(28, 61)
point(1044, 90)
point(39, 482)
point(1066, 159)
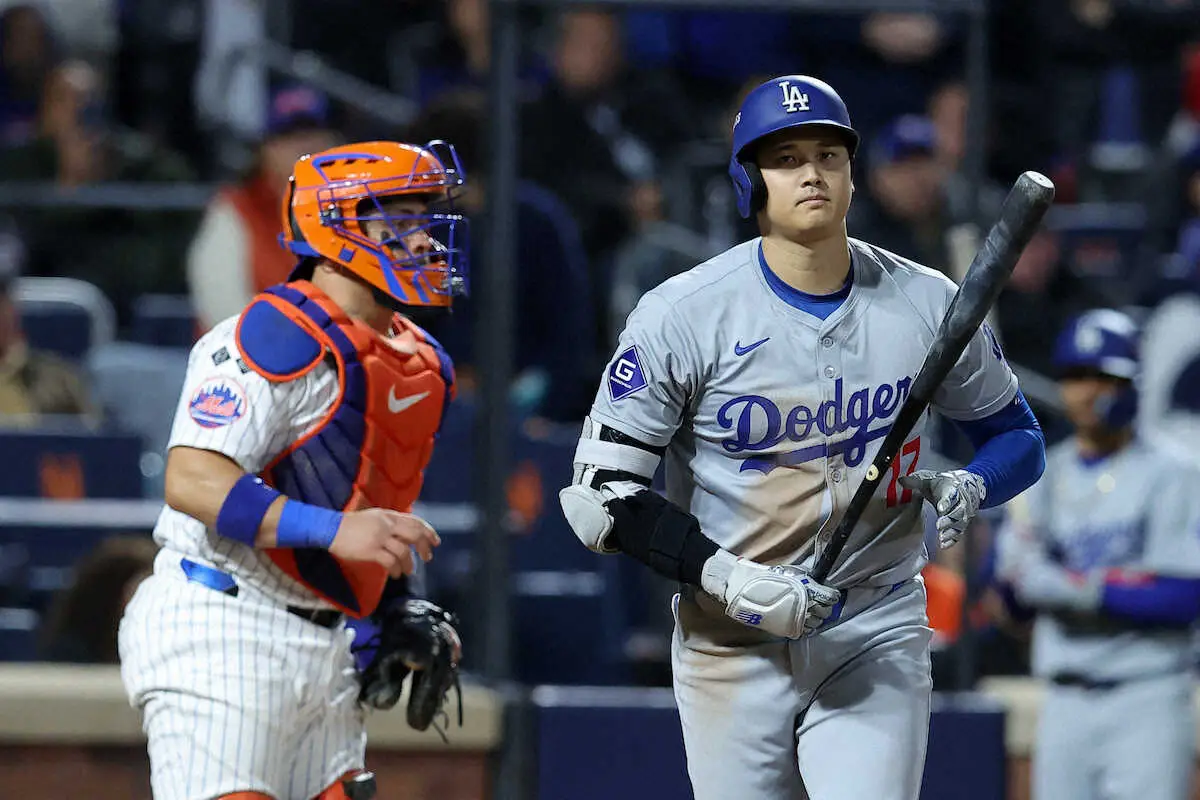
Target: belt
point(1077, 681)
point(224, 583)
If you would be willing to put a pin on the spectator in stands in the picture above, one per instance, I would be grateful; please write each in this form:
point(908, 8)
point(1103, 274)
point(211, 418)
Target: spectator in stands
point(124, 251)
point(1039, 297)
point(948, 107)
point(598, 133)
point(1115, 85)
point(27, 53)
point(236, 252)
point(557, 352)
point(901, 210)
point(1188, 246)
point(32, 383)
point(81, 625)
point(453, 53)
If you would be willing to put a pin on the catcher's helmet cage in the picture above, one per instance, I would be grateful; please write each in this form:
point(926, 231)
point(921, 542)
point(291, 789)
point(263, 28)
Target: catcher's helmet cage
point(332, 193)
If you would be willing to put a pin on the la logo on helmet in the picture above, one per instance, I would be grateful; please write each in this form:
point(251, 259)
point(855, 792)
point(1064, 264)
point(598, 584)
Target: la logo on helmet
point(793, 99)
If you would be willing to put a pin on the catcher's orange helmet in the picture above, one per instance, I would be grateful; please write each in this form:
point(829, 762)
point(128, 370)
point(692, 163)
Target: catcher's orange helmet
point(333, 192)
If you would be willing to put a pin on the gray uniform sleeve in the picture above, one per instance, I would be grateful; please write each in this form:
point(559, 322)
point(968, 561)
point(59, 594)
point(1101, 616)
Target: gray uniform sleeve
point(980, 384)
point(1024, 561)
point(652, 377)
point(1173, 538)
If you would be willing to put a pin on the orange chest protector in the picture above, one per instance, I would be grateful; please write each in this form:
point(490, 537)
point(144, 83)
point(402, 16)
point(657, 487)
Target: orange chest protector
point(372, 446)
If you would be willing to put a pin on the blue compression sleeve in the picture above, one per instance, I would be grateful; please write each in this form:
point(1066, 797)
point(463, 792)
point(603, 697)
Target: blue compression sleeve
point(1154, 599)
point(242, 513)
point(1010, 450)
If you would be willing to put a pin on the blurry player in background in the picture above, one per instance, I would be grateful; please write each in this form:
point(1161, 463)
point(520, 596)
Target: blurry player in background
point(296, 455)
point(1105, 549)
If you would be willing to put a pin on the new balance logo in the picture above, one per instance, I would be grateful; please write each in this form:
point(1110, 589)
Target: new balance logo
point(793, 99)
point(748, 618)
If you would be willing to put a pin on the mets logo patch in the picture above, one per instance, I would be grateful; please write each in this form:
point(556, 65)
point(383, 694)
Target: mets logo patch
point(217, 402)
point(625, 376)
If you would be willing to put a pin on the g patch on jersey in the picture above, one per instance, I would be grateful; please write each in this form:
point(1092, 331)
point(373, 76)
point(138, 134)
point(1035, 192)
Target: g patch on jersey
point(217, 402)
point(625, 376)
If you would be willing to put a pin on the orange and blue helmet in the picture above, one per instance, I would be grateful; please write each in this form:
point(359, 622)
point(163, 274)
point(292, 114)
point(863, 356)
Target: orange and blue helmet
point(332, 193)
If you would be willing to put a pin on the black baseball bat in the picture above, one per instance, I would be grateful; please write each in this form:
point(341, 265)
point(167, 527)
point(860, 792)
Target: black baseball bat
point(1023, 210)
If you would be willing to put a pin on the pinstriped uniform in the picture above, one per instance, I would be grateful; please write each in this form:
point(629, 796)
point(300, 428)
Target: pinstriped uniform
point(237, 693)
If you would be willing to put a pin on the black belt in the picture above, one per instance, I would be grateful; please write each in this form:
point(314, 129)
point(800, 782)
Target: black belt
point(224, 583)
point(1078, 681)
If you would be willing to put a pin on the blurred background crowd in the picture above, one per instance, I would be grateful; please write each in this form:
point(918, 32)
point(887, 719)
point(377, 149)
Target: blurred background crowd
point(145, 146)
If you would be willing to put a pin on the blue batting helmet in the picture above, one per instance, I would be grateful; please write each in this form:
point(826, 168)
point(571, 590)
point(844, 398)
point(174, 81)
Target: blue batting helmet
point(1104, 341)
point(789, 101)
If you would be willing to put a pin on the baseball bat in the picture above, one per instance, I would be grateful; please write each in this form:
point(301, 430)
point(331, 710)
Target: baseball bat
point(1023, 210)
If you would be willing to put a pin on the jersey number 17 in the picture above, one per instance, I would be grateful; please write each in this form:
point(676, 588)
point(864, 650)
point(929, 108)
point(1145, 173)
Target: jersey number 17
point(903, 464)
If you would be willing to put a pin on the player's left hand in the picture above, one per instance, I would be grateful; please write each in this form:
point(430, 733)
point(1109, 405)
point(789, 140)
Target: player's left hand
point(955, 495)
point(420, 638)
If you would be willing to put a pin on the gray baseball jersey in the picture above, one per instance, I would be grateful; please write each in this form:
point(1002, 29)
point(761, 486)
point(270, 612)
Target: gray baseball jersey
point(1132, 733)
point(772, 415)
point(1137, 510)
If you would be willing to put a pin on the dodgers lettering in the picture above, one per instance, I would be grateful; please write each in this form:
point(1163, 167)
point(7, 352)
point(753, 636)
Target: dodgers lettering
point(758, 424)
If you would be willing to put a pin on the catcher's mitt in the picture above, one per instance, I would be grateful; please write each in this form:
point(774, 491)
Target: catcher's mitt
point(419, 637)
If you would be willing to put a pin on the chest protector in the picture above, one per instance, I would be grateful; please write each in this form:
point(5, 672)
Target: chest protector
point(371, 448)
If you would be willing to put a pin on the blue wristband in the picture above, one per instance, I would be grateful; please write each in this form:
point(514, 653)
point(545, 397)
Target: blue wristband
point(242, 513)
point(304, 525)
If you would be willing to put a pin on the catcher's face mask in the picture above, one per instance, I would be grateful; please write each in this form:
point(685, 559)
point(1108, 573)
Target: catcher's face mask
point(386, 212)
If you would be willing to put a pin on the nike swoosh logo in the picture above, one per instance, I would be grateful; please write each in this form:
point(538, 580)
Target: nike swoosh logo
point(398, 404)
point(741, 351)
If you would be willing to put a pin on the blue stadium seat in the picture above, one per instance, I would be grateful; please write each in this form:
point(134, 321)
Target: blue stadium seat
point(164, 320)
point(138, 386)
point(18, 634)
point(64, 315)
point(94, 464)
point(1100, 241)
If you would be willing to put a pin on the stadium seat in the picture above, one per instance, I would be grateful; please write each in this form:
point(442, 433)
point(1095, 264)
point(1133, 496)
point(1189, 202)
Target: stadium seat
point(18, 634)
point(64, 315)
point(138, 387)
point(70, 463)
point(164, 320)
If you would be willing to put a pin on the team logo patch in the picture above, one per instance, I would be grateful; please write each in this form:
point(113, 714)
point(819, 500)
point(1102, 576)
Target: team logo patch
point(793, 99)
point(625, 376)
point(217, 402)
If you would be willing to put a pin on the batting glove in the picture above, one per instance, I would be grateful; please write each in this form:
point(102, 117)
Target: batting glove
point(955, 495)
point(780, 600)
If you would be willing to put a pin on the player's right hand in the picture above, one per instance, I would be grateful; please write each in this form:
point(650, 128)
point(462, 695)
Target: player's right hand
point(386, 537)
point(781, 600)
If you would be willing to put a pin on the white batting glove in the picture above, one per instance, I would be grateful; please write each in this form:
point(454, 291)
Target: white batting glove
point(955, 495)
point(781, 600)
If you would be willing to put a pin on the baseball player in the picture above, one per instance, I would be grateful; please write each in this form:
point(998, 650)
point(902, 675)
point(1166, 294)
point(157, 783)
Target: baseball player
point(295, 457)
point(1106, 551)
point(766, 377)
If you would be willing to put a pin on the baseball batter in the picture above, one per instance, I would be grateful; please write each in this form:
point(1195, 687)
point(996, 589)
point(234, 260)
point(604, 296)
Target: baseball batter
point(1106, 551)
point(766, 377)
point(294, 459)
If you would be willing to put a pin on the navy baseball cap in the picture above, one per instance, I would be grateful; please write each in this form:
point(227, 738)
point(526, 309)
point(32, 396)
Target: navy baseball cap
point(909, 135)
point(296, 107)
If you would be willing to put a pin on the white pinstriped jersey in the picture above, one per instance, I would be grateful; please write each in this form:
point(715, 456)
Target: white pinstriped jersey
point(228, 408)
point(771, 416)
